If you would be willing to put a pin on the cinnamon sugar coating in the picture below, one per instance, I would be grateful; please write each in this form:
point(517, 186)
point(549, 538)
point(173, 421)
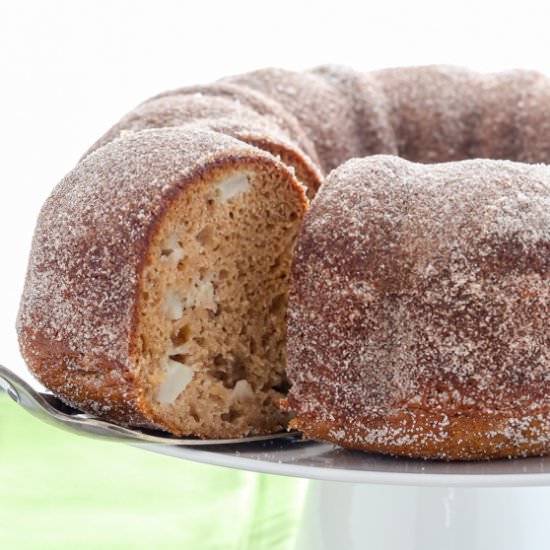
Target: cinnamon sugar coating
point(419, 309)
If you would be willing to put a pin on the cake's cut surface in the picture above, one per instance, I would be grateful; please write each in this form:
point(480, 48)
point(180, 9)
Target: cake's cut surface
point(213, 306)
point(160, 298)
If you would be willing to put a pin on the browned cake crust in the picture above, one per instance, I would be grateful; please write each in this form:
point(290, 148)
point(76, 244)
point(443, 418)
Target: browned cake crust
point(419, 310)
point(309, 122)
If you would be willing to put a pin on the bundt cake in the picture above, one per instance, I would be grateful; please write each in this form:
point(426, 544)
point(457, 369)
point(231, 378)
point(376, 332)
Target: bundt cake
point(419, 309)
point(158, 278)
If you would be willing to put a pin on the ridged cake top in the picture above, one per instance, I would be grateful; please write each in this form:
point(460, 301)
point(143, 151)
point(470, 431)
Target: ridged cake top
point(446, 113)
point(333, 113)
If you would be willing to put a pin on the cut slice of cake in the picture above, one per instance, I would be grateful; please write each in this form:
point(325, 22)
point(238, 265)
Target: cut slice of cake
point(157, 285)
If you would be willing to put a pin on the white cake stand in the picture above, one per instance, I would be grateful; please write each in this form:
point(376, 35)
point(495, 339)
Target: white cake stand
point(360, 501)
point(357, 501)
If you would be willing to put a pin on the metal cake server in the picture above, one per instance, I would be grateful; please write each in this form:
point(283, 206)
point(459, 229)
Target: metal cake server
point(48, 408)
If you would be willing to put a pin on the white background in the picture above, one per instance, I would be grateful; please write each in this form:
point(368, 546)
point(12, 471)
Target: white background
point(69, 70)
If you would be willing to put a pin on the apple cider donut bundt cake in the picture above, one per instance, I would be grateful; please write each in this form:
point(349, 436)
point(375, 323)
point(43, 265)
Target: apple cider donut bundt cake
point(158, 279)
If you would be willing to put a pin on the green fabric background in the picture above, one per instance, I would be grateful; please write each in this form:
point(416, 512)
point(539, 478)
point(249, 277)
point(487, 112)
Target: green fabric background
point(59, 490)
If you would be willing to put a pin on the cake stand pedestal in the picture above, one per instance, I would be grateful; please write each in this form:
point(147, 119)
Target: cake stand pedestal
point(382, 517)
point(360, 501)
